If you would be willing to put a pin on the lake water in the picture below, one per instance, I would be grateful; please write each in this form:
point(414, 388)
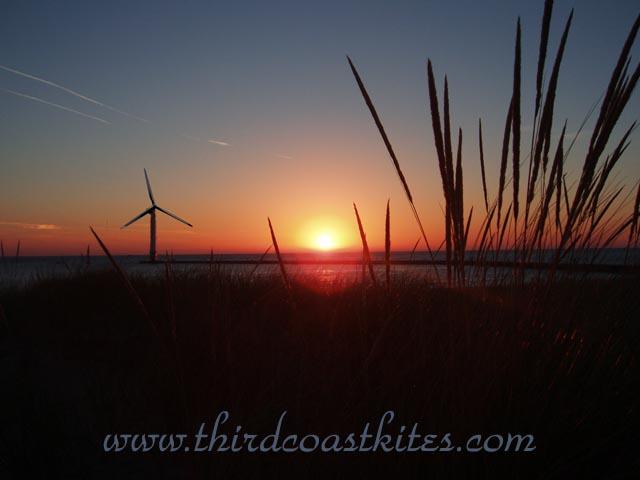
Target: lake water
point(26, 270)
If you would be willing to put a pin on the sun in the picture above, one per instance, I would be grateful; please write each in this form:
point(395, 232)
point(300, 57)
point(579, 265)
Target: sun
point(326, 233)
point(325, 241)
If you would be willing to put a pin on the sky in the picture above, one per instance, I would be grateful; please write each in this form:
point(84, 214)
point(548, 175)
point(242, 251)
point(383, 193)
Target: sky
point(243, 110)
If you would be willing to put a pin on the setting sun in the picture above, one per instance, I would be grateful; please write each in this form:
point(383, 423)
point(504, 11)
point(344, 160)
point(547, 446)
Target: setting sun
point(326, 233)
point(325, 241)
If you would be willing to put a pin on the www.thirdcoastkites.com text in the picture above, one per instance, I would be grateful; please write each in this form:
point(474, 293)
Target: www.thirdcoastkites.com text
point(383, 436)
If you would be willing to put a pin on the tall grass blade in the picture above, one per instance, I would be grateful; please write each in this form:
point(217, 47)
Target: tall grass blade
point(542, 52)
point(559, 179)
point(516, 122)
point(260, 261)
point(503, 162)
point(378, 123)
point(543, 142)
point(542, 55)
point(387, 247)
point(285, 278)
point(459, 209)
point(452, 205)
point(445, 175)
point(459, 182)
point(365, 247)
point(126, 282)
point(482, 170)
point(413, 250)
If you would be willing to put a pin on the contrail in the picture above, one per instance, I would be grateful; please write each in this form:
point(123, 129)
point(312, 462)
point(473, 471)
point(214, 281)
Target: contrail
point(61, 107)
point(218, 142)
point(73, 92)
point(210, 140)
point(93, 101)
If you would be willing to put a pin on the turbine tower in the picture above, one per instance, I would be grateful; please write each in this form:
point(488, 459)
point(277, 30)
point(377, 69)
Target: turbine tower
point(151, 211)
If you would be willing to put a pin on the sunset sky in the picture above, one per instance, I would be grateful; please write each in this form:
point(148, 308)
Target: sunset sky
point(243, 110)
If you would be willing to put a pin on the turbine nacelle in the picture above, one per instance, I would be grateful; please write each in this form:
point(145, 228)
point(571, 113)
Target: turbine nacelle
point(151, 210)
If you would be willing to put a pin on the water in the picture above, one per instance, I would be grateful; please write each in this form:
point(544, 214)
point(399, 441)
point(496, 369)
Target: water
point(27, 270)
point(24, 271)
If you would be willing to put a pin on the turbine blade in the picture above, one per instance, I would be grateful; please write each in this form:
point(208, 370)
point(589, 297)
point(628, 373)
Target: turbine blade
point(136, 218)
point(146, 177)
point(174, 216)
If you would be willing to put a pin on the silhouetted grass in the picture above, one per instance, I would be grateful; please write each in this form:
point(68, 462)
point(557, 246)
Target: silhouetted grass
point(595, 215)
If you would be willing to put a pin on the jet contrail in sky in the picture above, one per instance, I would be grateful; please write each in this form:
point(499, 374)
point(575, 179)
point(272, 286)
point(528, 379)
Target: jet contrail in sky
point(61, 107)
point(218, 142)
point(86, 99)
point(72, 92)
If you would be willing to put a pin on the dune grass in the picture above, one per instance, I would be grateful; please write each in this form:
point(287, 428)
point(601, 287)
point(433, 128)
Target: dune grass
point(595, 214)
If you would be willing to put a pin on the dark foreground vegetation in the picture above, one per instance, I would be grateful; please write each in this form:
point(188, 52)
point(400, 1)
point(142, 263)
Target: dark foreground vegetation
point(80, 358)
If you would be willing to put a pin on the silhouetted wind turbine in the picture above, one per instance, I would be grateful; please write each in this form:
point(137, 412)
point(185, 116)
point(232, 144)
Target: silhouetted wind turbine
point(151, 211)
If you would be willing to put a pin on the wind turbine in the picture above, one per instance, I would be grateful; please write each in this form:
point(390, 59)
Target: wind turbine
point(151, 211)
